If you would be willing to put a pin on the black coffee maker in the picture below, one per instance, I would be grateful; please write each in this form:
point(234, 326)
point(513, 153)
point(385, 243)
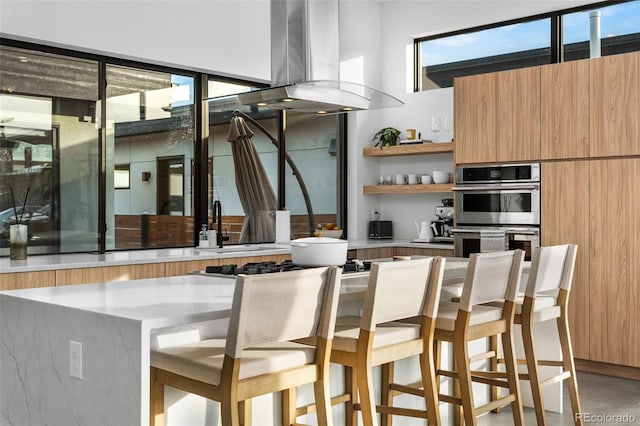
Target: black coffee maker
point(442, 227)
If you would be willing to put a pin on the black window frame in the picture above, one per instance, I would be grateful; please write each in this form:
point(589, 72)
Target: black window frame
point(200, 148)
point(557, 45)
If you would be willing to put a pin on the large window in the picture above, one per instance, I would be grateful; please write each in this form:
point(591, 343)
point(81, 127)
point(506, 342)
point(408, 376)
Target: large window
point(619, 30)
point(527, 42)
point(501, 48)
point(151, 127)
point(49, 149)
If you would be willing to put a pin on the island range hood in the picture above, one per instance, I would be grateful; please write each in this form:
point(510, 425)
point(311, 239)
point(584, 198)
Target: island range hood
point(305, 64)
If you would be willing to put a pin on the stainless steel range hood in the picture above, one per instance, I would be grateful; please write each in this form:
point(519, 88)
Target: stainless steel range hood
point(305, 63)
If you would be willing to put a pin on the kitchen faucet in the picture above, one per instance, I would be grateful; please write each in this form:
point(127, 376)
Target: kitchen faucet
point(217, 213)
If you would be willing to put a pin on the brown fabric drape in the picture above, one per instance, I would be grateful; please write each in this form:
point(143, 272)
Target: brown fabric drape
point(254, 189)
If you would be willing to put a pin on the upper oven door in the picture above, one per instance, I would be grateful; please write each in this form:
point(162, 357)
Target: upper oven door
point(501, 204)
point(498, 173)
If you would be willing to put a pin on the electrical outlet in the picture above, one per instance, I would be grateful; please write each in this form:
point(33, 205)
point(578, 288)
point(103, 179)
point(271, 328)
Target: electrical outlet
point(375, 214)
point(75, 359)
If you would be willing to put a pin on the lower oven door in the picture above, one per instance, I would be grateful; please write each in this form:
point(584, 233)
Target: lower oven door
point(471, 239)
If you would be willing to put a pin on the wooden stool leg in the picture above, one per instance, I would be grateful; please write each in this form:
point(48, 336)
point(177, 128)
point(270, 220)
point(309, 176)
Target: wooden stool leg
point(512, 376)
point(386, 397)
point(351, 387)
point(289, 406)
point(323, 402)
point(532, 370)
point(156, 407)
point(461, 356)
point(245, 412)
point(427, 368)
point(569, 365)
point(367, 396)
point(493, 365)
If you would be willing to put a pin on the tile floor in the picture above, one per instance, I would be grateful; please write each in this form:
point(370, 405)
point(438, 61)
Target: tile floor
point(599, 395)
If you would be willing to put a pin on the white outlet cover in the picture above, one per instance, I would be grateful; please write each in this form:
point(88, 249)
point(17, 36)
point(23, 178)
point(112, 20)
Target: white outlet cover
point(75, 359)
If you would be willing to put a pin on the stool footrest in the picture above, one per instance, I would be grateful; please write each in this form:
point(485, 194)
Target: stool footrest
point(412, 389)
point(399, 411)
point(494, 404)
point(311, 408)
point(450, 399)
point(555, 379)
point(482, 356)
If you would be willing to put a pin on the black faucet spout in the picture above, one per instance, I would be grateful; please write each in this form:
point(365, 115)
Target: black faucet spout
point(217, 213)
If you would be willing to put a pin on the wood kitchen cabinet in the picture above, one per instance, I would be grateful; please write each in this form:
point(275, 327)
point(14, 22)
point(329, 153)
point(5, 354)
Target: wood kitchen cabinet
point(565, 110)
point(475, 118)
point(518, 115)
point(615, 105)
point(614, 262)
point(565, 220)
point(20, 280)
point(497, 117)
point(109, 273)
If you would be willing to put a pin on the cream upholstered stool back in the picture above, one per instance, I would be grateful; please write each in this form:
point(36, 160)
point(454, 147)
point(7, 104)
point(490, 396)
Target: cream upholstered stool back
point(546, 298)
point(258, 357)
point(399, 290)
point(490, 277)
point(277, 308)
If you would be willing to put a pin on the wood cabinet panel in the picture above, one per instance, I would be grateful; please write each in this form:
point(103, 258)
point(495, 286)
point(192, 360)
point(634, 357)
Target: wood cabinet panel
point(475, 119)
point(109, 273)
point(615, 105)
point(565, 220)
point(414, 251)
point(372, 253)
point(20, 280)
point(565, 110)
point(615, 261)
point(173, 269)
point(518, 115)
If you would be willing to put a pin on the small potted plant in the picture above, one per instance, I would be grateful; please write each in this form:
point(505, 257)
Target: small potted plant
point(388, 136)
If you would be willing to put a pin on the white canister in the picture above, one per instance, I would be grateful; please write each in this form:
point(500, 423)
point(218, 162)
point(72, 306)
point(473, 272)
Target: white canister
point(18, 238)
point(212, 236)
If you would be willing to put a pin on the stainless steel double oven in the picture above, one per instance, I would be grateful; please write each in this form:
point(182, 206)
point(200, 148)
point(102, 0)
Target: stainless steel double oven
point(497, 207)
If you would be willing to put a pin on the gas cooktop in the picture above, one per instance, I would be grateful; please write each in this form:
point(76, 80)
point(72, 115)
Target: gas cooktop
point(269, 267)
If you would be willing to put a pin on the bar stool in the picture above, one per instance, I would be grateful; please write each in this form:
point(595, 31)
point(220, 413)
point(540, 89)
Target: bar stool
point(397, 290)
point(490, 277)
point(258, 356)
point(546, 298)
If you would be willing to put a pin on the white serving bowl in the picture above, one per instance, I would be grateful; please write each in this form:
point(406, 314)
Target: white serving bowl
point(440, 177)
point(331, 233)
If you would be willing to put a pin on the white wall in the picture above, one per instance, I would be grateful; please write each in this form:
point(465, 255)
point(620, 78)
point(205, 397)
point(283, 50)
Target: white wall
point(228, 37)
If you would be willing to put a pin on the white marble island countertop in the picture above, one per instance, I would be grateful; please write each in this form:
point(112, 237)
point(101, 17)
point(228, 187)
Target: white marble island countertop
point(156, 302)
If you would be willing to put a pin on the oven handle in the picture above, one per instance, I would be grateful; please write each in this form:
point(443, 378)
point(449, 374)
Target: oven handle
point(497, 188)
point(477, 231)
point(522, 232)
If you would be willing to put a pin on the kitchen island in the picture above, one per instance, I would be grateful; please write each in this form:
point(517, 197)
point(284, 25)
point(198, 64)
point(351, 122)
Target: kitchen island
point(118, 323)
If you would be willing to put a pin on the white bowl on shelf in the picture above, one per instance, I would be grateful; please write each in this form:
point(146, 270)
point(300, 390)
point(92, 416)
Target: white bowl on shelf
point(440, 177)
